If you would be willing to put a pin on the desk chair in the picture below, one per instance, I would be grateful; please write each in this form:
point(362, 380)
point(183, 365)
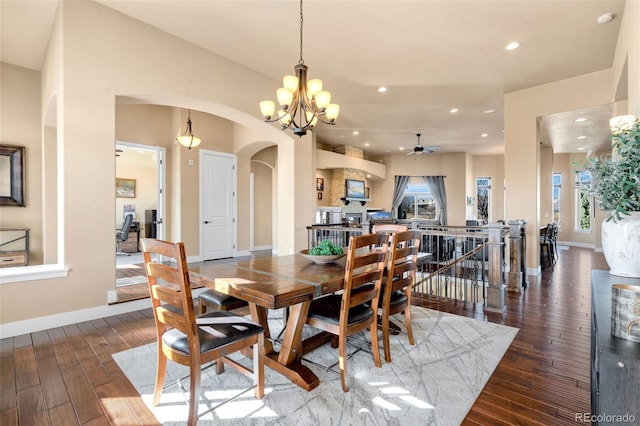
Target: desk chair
point(123, 234)
point(355, 309)
point(398, 286)
point(195, 341)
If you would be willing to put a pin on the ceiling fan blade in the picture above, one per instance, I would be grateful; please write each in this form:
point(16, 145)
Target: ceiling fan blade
point(430, 149)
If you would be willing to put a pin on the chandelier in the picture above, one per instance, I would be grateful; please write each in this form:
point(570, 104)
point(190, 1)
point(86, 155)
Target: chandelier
point(302, 103)
point(188, 139)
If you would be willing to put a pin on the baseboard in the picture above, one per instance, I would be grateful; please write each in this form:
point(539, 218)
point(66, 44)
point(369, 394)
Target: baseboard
point(32, 325)
point(575, 244)
point(261, 248)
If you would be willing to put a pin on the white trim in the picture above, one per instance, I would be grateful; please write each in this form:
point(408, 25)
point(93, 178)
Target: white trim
point(265, 247)
point(574, 244)
point(32, 273)
point(537, 271)
point(32, 325)
point(242, 253)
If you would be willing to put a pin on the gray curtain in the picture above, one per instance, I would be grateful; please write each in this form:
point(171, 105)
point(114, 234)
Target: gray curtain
point(400, 185)
point(436, 188)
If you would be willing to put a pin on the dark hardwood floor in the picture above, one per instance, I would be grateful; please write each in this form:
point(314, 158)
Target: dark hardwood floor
point(66, 375)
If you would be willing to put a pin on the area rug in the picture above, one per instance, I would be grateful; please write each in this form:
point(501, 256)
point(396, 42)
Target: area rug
point(434, 382)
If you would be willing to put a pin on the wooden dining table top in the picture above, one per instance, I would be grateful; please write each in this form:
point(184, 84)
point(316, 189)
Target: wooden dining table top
point(272, 282)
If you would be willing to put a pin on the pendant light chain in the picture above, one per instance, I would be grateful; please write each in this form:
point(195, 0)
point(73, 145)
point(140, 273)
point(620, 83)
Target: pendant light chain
point(301, 61)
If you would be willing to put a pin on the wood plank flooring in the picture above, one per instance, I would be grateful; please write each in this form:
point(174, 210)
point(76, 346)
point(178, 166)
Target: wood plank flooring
point(66, 376)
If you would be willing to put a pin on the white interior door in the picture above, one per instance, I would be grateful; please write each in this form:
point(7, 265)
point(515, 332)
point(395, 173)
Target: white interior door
point(160, 158)
point(218, 204)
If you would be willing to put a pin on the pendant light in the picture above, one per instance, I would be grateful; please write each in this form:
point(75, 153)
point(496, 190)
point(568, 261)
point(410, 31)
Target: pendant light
point(188, 139)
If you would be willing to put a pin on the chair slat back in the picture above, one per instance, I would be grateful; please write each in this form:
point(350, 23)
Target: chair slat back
point(403, 260)
point(170, 288)
point(364, 270)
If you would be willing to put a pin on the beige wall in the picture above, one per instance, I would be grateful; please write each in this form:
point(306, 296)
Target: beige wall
point(20, 126)
point(546, 185)
point(522, 149)
point(565, 164)
point(262, 166)
point(452, 166)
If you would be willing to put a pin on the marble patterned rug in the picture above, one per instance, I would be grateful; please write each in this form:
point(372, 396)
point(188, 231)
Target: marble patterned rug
point(434, 382)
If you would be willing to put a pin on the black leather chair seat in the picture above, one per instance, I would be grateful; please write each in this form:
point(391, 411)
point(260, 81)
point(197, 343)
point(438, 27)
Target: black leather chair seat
point(398, 298)
point(328, 309)
point(235, 327)
point(220, 300)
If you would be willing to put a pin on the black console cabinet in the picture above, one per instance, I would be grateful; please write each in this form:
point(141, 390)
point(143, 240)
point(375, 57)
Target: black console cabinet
point(615, 362)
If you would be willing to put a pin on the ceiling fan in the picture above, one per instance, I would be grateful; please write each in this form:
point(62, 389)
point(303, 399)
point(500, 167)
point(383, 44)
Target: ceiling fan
point(419, 149)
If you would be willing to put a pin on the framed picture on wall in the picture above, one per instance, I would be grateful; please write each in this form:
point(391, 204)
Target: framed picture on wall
point(320, 184)
point(12, 164)
point(125, 188)
point(319, 195)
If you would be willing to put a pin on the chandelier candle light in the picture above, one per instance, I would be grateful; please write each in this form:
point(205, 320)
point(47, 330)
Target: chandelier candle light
point(188, 139)
point(302, 103)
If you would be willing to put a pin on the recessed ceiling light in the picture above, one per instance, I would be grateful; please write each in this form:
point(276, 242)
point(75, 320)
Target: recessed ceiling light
point(401, 148)
point(382, 89)
point(605, 18)
point(484, 135)
point(366, 144)
point(513, 45)
point(355, 132)
point(580, 120)
point(453, 110)
point(488, 111)
point(368, 176)
point(582, 137)
point(581, 148)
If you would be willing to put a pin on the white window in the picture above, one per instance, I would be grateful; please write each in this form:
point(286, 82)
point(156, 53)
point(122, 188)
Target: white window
point(483, 194)
point(583, 202)
point(557, 198)
point(417, 202)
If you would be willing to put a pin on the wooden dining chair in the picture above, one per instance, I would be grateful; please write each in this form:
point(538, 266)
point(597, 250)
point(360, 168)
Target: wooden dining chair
point(193, 340)
point(355, 309)
point(398, 284)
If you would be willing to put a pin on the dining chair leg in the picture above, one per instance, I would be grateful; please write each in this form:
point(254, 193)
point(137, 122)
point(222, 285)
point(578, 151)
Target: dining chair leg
point(375, 347)
point(342, 354)
point(386, 330)
point(160, 375)
point(407, 322)
point(194, 394)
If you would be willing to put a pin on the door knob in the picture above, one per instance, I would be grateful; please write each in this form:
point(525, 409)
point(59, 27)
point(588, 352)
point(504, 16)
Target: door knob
point(206, 222)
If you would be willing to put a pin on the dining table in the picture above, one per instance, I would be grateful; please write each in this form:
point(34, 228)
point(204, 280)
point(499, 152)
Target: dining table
point(288, 282)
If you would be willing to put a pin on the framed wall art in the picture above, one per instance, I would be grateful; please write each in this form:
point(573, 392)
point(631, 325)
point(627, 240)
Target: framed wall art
point(12, 174)
point(320, 184)
point(125, 188)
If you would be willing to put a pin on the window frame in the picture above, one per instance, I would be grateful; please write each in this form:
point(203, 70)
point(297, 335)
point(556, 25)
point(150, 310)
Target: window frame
point(582, 196)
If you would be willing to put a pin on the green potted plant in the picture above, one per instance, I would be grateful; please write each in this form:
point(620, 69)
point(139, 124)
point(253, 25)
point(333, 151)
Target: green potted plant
point(615, 185)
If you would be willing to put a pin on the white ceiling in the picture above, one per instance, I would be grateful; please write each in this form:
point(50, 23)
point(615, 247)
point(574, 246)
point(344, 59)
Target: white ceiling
point(432, 55)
